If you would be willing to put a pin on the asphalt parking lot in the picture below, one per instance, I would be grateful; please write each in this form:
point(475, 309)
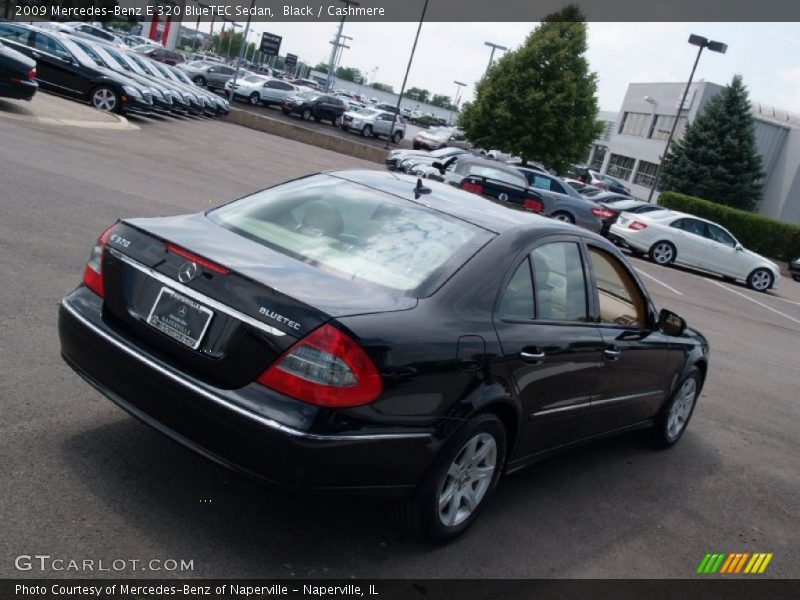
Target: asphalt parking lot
point(83, 480)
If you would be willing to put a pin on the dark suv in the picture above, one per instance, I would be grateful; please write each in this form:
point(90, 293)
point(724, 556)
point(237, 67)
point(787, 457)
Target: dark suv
point(316, 105)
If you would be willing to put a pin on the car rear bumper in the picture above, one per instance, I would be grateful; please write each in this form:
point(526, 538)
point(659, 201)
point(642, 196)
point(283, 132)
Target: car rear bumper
point(23, 90)
point(387, 461)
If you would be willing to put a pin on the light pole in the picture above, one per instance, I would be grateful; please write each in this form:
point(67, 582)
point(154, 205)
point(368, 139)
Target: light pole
point(241, 51)
point(336, 42)
point(491, 56)
point(702, 43)
point(459, 85)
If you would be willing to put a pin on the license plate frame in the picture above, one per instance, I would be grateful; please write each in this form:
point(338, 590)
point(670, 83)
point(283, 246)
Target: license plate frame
point(175, 325)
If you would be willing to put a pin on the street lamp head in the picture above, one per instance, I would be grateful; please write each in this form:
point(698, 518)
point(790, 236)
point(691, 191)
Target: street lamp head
point(699, 40)
point(459, 83)
point(649, 100)
point(717, 47)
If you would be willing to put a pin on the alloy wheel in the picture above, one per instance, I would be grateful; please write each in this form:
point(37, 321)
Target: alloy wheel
point(467, 480)
point(681, 408)
point(663, 253)
point(760, 280)
point(104, 99)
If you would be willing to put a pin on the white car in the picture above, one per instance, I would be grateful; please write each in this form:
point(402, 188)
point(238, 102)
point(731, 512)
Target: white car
point(248, 87)
point(668, 236)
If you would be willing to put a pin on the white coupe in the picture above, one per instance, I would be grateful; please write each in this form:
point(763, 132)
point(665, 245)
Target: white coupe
point(668, 236)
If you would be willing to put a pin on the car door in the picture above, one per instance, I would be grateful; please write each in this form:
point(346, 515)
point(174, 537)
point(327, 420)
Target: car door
point(552, 348)
point(56, 67)
point(630, 385)
point(722, 256)
point(382, 123)
point(688, 235)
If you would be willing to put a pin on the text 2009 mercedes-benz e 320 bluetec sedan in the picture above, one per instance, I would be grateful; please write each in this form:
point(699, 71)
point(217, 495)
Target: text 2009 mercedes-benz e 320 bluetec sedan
point(354, 331)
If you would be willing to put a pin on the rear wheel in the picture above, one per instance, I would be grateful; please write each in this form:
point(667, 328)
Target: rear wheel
point(662, 253)
point(564, 217)
point(200, 80)
point(367, 131)
point(105, 98)
point(673, 418)
point(760, 280)
point(455, 490)
point(397, 137)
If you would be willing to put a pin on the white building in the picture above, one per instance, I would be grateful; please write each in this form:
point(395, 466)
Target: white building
point(636, 145)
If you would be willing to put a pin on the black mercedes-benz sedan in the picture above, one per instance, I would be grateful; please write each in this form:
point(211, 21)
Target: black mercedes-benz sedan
point(358, 332)
point(17, 74)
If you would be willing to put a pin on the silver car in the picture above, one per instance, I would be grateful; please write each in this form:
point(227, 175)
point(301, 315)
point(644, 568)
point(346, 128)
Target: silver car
point(373, 122)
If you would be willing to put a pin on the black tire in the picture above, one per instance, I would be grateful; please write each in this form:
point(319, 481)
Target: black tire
point(416, 146)
point(760, 280)
point(663, 253)
point(560, 215)
point(795, 276)
point(105, 98)
point(254, 99)
point(663, 433)
point(367, 131)
point(306, 114)
point(398, 135)
point(200, 80)
point(317, 119)
point(337, 121)
point(286, 111)
point(420, 516)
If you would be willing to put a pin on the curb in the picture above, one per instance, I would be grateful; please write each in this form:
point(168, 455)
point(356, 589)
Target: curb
point(305, 135)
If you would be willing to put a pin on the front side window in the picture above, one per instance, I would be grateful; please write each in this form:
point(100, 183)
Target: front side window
point(621, 302)
point(14, 33)
point(49, 45)
point(558, 282)
point(353, 231)
point(718, 234)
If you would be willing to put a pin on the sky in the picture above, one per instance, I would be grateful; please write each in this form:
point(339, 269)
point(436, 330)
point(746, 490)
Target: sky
point(767, 55)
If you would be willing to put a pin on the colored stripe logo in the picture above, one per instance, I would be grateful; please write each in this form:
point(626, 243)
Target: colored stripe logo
point(734, 563)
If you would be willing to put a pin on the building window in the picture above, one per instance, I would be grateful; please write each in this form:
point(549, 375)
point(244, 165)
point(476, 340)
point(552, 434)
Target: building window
point(663, 126)
point(636, 124)
point(620, 166)
point(645, 173)
point(598, 157)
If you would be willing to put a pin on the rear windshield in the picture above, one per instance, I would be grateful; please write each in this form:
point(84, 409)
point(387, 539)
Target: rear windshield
point(355, 232)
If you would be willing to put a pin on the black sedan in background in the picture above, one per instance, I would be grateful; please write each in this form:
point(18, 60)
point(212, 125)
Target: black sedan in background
point(62, 67)
point(616, 207)
point(313, 104)
point(17, 74)
point(357, 332)
point(794, 269)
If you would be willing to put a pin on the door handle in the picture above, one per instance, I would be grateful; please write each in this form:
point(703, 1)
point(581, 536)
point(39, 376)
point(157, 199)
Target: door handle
point(533, 358)
point(611, 353)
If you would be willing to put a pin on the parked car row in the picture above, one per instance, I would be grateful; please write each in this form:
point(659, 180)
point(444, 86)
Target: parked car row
point(110, 77)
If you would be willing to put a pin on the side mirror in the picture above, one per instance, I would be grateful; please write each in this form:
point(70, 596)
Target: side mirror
point(69, 60)
point(212, 70)
point(739, 247)
point(670, 323)
point(439, 166)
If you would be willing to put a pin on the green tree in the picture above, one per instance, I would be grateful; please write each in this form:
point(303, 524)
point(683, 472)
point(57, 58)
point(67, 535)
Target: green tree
point(717, 158)
point(384, 87)
point(349, 74)
point(418, 94)
point(228, 42)
point(441, 101)
point(321, 67)
point(539, 101)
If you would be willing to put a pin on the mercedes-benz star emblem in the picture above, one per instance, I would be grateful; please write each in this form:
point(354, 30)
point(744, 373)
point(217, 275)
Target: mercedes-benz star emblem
point(503, 197)
point(183, 311)
point(187, 271)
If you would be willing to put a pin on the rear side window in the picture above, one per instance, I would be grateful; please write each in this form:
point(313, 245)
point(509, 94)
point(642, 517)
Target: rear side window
point(517, 302)
point(355, 232)
point(14, 33)
point(49, 45)
point(496, 174)
point(558, 282)
point(621, 302)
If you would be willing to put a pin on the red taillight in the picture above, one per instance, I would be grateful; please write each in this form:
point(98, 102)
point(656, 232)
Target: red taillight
point(471, 186)
point(32, 73)
point(533, 205)
point(93, 271)
point(326, 368)
point(199, 260)
point(602, 212)
point(637, 226)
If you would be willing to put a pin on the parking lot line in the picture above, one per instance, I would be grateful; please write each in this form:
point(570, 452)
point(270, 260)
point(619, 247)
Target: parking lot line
point(669, 287)
point(746, 297)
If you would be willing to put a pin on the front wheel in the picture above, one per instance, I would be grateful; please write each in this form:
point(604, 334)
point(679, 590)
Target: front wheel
point(337, 122)
point(200, 80)
point(564, 217)
point(105, 98)
point(662, 253)
point(398, 135)
point(306, 114)
point(367, 131)
point(760, 280)
point(254, 99)
point(455, 490)
point(671, 422)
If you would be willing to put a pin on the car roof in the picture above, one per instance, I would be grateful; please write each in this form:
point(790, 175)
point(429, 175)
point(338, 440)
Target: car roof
point(472, 208)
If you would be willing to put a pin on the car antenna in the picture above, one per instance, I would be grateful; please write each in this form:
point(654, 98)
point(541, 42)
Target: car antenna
point(420, 189)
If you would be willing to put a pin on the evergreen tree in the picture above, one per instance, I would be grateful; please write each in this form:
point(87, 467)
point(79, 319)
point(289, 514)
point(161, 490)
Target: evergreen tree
point(717, 157)
point(539, 101)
